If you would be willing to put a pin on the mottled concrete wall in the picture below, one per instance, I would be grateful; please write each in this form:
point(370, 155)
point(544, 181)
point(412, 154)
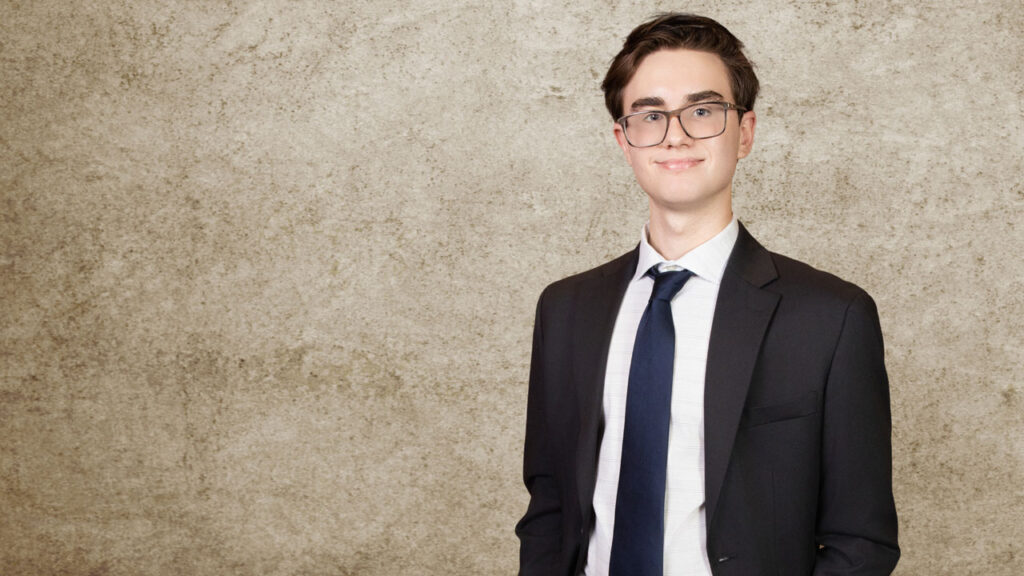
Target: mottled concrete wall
point(269, 269)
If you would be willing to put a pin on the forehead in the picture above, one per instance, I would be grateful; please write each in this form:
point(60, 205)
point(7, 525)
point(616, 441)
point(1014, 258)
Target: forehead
point(672, 74)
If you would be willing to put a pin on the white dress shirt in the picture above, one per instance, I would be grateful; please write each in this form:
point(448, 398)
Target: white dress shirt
point(692, 311)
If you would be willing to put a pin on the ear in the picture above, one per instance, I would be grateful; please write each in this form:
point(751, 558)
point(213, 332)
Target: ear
point(620, 137)
point(747, 125)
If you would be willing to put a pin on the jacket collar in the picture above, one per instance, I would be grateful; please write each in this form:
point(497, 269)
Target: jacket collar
point(743, 312)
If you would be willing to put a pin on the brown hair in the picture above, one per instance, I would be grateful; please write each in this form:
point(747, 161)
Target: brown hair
point(675, 30)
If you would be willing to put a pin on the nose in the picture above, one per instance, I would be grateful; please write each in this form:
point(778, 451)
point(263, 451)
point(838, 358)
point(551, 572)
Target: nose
point(676, 136)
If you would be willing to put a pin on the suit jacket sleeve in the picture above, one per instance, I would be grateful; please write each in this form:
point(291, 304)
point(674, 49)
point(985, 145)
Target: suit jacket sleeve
point(857, 527)
point(539, 530)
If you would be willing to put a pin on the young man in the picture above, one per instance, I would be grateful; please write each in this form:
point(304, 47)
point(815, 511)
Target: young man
point(701, 405)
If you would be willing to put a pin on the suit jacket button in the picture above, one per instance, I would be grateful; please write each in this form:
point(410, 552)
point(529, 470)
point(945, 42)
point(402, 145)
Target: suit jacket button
point(724, 559)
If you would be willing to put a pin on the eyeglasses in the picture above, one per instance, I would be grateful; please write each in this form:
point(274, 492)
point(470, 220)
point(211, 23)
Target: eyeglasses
point(699, 121)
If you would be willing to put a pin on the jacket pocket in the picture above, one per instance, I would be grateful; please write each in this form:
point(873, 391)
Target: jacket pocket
point(804, 405)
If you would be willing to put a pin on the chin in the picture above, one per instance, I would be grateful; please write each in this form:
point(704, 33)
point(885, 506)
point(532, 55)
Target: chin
point(685, 199)
point(680, 195)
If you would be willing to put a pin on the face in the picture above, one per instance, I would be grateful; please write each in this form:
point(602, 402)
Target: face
point(682, 174)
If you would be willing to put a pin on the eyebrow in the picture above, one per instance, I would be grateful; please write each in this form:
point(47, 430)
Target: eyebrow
point(651, 101)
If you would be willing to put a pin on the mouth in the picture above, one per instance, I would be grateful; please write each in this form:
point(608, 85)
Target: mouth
point(678, 164)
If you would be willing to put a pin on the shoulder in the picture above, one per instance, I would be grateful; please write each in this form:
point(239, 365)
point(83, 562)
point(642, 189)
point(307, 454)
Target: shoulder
point(801, 282)
point(795, 281)
point(611, 273)
point(796, 274)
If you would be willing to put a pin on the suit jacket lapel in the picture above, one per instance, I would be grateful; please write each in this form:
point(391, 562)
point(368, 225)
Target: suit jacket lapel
point(598, 306)
point(742, 315)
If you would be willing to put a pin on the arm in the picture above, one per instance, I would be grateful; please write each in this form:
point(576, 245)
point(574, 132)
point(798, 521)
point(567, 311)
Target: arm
point(856, 526)
point(539, 530)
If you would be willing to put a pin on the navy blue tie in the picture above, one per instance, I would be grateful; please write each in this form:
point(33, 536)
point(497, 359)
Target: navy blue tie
point(639, 535)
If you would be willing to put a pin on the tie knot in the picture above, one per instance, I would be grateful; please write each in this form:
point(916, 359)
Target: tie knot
point(667, 284)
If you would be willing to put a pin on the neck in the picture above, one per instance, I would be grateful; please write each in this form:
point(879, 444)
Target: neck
point(674, 234)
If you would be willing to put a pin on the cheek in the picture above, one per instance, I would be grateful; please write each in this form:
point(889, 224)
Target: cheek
point(726, 153)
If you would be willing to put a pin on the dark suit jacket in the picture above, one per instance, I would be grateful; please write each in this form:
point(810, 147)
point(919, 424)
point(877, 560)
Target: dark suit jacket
point(797, 429)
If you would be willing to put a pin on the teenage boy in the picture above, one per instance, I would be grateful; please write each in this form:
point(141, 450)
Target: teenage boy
point(701, 405)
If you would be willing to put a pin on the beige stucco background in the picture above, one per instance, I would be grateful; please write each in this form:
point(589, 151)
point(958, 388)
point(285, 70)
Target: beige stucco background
point(269, 268)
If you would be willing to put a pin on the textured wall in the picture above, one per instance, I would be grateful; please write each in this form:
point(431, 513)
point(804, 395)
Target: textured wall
point(269, 269)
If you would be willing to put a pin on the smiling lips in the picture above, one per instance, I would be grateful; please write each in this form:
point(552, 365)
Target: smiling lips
point(678, 164)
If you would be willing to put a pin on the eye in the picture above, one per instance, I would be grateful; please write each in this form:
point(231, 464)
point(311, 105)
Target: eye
point(652, 117)
point(702, 112)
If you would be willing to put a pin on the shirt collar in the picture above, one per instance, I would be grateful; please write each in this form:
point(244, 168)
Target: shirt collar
point(707, 260)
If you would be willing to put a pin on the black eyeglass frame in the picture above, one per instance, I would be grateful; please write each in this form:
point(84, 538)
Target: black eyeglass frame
point(677, 113)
